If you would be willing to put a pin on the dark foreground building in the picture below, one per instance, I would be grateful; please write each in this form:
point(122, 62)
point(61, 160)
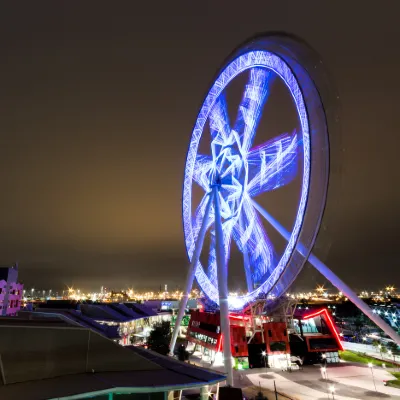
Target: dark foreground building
point(48, 358)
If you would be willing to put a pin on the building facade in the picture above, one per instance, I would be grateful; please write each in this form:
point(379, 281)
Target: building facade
point(11, 291)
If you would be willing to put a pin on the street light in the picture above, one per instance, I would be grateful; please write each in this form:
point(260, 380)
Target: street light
point(264, 354)
point(332, 390)
point(324, 359)
point(324, 374)
point(370, 365)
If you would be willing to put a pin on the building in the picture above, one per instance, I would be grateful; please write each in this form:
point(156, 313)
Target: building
point(46, 357)
point(169, 305)
point(259, 340)
point(315, 334)
point(127, 323)
point(11, 292)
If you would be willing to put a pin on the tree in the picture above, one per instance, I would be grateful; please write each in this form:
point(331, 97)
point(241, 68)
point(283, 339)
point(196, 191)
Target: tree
point(392, 346)
point(358, 323)
point(183, 355)
point(376, 343)
point(160, 337)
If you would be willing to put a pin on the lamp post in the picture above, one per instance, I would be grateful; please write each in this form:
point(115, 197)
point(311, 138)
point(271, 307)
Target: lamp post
point(390, 353)
point(264, 354)
point(370, 365)
point(325, 377)
point(332, 390)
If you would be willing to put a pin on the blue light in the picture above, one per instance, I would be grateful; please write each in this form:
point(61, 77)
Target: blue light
point(244, 172)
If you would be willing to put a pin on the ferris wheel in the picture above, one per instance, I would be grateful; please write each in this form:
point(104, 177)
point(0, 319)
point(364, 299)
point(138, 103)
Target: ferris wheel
point(234, 163)
point(233, 173)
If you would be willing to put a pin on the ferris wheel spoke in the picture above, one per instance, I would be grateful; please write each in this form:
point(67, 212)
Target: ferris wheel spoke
point(254, 241)
point(201, 170)
point(250, 109)
point(219, 122)
point(273, 164)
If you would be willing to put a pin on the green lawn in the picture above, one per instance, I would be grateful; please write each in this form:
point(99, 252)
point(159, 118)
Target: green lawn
point(363, 359)
point(395, 382)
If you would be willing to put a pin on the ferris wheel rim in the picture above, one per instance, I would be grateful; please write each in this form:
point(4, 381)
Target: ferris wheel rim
point(270, 61)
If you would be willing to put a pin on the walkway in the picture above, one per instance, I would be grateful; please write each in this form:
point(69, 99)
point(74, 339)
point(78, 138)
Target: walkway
point(350, 382)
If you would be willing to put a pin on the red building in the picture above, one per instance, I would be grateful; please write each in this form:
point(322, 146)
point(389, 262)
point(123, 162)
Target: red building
point(276, 338)
point(204, 330)
point(314, 334)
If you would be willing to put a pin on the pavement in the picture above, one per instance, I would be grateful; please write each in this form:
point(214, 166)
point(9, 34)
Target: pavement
point(350, 381)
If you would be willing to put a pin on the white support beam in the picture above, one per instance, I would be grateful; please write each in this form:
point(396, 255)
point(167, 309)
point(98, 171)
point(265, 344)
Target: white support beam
point(222, 274)
point(333, 278)
point(191, 273)
point(246, 261)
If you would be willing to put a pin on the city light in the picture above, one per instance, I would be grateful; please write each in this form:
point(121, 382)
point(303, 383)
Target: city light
point(107, 295)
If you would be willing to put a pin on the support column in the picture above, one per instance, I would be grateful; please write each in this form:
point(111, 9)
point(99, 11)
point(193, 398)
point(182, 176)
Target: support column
point(249, 278)
point(191, 273)
point(333, 278)
point(222, 274)
point(204, 393)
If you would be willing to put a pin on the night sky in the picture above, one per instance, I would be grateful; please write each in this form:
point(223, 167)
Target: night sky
point(98, 100)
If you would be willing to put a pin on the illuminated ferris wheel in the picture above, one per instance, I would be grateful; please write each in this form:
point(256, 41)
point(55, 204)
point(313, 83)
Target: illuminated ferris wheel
point(236, 173)
point(235, 161)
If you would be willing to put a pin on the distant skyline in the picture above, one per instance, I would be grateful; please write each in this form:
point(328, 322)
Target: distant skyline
point(98, 104)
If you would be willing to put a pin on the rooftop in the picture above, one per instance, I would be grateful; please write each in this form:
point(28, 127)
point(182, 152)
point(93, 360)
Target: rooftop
point(54, 360)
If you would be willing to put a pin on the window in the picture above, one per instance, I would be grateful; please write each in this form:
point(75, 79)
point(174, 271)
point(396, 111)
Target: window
point(277, 346)
point(269, 333)
point(323, 344)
